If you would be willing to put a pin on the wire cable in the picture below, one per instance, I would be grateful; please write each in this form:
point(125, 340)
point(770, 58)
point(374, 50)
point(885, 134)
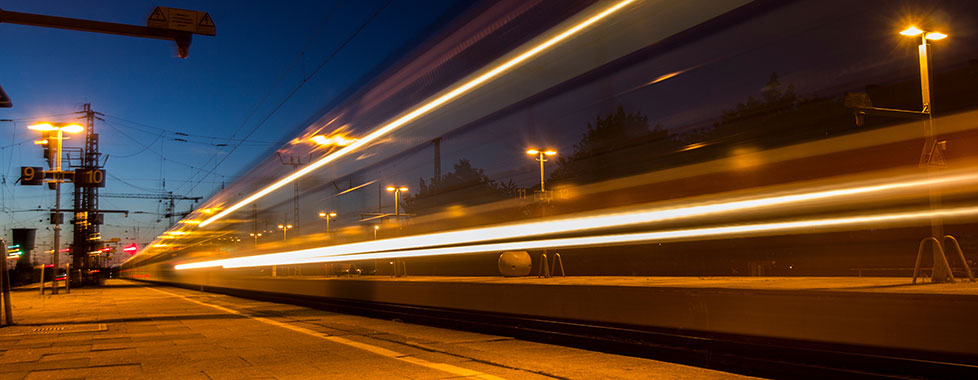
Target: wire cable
point(304, 81)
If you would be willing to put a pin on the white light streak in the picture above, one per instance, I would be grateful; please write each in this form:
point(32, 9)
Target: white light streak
point(586, 223)
point(799, 226)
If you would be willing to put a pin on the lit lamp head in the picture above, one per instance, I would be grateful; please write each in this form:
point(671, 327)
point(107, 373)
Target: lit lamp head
point(401, 189)
point(69, 128)
point(914, 31)
point(334, 140)
point(548, 152)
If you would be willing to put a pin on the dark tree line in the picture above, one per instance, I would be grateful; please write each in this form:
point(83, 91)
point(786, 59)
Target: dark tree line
point(464, 185)
point(624, 143)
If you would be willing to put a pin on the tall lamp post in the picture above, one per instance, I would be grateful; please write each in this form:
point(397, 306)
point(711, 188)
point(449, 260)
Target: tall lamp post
point(255, 236)
point(54, 155)
point(931, 145)
point(397, 200)
point(327, 216)
point(542, 157)
point(923, 53)
point(285, 230)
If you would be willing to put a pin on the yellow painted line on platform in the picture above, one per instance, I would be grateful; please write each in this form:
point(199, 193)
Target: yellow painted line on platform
point(455, 370)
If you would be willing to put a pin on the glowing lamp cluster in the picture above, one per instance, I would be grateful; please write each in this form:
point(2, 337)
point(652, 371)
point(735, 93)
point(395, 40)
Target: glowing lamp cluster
point(335, 140)
point(70, 128)
point(397, 193)
point(914, 31)
point(548, 152)
point(542, 157)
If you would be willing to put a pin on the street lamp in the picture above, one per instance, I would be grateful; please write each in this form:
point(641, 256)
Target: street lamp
point(397, 192)
point(541, 156)
point(924, 57)
point(328, 216)
point(59, 129)
point(285, 230)
point(376, 227)
point(931, 147)
point(256, 236)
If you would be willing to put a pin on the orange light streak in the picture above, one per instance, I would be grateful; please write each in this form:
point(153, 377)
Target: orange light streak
point(591, 222)
point(422, 110)
point(799, 226)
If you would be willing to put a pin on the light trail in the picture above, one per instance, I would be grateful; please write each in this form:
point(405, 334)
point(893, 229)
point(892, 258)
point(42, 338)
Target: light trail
point(354, 188)
point(422, 110)
point(799, 226)
point(592, 222)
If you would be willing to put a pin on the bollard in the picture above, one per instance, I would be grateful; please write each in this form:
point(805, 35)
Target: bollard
point(5, 284)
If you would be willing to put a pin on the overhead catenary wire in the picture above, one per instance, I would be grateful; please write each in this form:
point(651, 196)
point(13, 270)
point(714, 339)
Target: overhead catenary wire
point(190, 137)
point(295, 90)
point(149, 148)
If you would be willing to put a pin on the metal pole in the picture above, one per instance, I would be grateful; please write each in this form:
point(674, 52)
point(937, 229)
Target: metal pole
point(67, 278)
point(397, 211)
point(182, 38)
point(57, 206)
point(542, 190)
point(327, 225)
point(5, 284)
point(940, 274)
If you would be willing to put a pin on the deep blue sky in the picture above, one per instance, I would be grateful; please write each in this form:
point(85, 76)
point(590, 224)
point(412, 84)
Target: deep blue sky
point(227, 86)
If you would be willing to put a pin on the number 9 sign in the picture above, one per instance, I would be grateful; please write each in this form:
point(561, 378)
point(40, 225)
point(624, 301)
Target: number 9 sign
point(31, 175)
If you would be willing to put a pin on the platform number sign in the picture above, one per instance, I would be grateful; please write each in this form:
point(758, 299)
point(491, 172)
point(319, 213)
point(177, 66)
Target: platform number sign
point(90, 177)
point(31, 175)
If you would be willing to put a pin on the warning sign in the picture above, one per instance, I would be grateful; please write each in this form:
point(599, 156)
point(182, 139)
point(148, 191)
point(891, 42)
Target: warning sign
point(157, 19)
point(206, 25)
point(182, 19)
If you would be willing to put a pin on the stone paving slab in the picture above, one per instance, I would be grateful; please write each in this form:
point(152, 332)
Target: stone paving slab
point(172, 333)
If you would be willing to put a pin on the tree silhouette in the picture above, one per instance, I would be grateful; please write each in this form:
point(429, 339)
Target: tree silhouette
point(465, 185)
point(777, 118)
point(617, 145)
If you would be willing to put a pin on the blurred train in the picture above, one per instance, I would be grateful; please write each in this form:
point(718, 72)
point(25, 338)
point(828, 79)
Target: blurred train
point(701, 138)
point(695, 138)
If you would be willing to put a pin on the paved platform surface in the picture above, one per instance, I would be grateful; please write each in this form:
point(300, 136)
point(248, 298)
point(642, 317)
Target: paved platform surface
point(128, 330)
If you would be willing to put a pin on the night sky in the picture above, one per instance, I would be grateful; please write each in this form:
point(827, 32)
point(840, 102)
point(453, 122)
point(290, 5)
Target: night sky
point(221, 100)
point(199, 122)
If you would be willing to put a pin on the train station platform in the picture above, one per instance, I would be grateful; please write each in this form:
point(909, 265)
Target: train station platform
point(867, 315)
point(129, 330)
